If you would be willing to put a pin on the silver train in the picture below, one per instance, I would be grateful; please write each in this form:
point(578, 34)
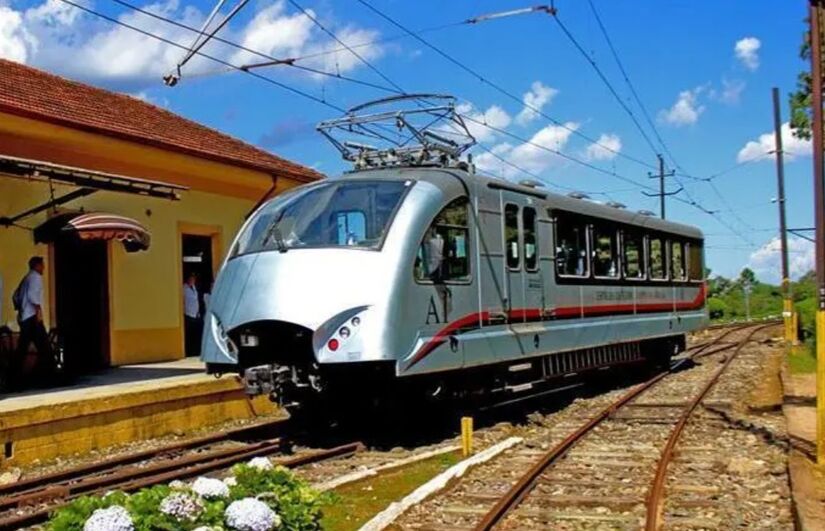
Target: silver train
point(440, 282)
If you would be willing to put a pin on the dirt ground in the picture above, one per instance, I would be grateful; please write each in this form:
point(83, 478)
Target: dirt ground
point(807, 478)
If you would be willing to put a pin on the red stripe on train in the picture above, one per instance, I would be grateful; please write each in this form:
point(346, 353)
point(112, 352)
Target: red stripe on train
point(536, 314)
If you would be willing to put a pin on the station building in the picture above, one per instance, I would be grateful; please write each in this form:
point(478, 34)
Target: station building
point(121, 198)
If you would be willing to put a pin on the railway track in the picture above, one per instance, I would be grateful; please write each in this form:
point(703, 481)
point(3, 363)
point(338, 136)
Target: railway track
point(31, 501)
point(612, 471)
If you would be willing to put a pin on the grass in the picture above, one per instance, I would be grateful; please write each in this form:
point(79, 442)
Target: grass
point(801, 360)
point(354, 504)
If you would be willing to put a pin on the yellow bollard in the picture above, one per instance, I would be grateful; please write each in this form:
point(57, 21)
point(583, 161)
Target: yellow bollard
point(787, 314)
point(820, 387)
point(467, 436)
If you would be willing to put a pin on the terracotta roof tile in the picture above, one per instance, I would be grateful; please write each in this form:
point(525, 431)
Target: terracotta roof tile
point(30, 92)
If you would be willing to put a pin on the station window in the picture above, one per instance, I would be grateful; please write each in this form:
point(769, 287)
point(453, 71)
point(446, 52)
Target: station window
point(444, 254)
point(531, 250)
point(571, 246)
point(605, 252)
point(511, 236)
point(677, 261)
point(633, 255)
point(658, 269)
point(695, 262)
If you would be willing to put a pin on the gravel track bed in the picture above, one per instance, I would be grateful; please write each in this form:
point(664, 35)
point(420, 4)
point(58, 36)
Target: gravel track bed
point(603, 481)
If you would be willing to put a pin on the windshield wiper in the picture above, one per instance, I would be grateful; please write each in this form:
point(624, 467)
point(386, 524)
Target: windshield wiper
point(274, 233)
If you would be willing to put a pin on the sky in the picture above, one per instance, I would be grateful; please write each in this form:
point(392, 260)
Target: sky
point(703, 71)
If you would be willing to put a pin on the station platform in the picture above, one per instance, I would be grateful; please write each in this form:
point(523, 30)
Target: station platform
point(117, 406)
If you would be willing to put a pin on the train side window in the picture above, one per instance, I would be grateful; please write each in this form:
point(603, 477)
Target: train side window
point(352, 227)
point(444, 254)
point(571, 247)
point(531, 250)
point(658, 270)
point(677, 260)
point(633, 252)
point(511, 236)
point(605, 252)
point(695, 262)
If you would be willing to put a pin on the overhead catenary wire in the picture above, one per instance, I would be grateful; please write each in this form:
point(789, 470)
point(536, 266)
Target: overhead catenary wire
point(592, 62)
point(485, 80)
point(361, 58)
point(170, 42)
point(273, 60)
point(630, 86)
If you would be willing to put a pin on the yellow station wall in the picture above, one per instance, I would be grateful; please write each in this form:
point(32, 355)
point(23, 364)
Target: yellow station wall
point(145, 291)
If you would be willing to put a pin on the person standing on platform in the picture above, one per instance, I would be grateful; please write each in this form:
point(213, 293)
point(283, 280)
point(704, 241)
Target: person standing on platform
point(191, 315)
point(28, 301)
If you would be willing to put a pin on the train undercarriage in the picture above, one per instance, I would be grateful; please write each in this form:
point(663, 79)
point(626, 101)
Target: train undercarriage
point(305, 386)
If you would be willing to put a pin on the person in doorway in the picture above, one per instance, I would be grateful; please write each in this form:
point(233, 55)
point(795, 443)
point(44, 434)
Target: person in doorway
point(191, 315)
point(28, 301)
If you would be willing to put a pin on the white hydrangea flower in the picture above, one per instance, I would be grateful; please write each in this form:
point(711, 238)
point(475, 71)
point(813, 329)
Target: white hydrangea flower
point(230, 481)
point(181, 506)
point(210, 488)
point(261, 463)
point(177, 484)
point(114, 518)
point(250, 514)
point(204, 528)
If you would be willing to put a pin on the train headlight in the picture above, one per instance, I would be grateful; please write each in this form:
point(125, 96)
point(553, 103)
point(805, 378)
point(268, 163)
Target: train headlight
point(355, 321)
point(332, 344)
point(249, 340)
point(343, 332)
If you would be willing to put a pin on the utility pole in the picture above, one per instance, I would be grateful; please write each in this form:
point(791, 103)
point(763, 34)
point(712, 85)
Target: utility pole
point(746, 287)
point(662, 194)
point(787, 305)
point(819, 212)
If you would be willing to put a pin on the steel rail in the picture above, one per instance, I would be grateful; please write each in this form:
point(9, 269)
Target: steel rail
point(525, 484)
point(173, 470)
point(656, 494)
point(35, 483)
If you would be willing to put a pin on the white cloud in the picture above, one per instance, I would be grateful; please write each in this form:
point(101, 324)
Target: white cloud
point(494, 116)
point(747, 51)
point(606, 147)
point(534, 100)
point(791, 145)
point(529, 155)
point(15, 40)
point(686, 110)
point(731, 91)
point(765, 261)
point(45, 34)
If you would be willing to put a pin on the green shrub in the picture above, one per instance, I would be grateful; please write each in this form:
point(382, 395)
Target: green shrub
point(298, 505)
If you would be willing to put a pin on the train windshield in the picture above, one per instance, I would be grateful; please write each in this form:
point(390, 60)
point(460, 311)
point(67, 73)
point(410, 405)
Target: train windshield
point(335, 214)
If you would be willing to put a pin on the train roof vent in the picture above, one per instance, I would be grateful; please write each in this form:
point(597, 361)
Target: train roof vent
point(578, 195)
point(531, 183)
point(647, 213)
point(406, 130)
point(615, 204)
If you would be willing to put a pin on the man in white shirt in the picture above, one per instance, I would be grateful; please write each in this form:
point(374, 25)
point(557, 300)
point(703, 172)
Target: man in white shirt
point(28, 301)
point(191, 315)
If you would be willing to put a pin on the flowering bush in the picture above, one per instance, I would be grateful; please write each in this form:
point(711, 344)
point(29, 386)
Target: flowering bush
point(114, 518)
point(250, 514)
point(181, 506)
point(258, 499)
point(210, 488)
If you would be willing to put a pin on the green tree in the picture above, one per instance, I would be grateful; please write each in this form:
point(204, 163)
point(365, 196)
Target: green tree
point(800, 99)
point(747, 275)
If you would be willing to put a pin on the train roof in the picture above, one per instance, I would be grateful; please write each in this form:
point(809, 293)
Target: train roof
point(577, 205)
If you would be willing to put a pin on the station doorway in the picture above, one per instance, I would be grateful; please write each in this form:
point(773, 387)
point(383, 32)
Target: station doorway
point(81, 273)
point(197, 258)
